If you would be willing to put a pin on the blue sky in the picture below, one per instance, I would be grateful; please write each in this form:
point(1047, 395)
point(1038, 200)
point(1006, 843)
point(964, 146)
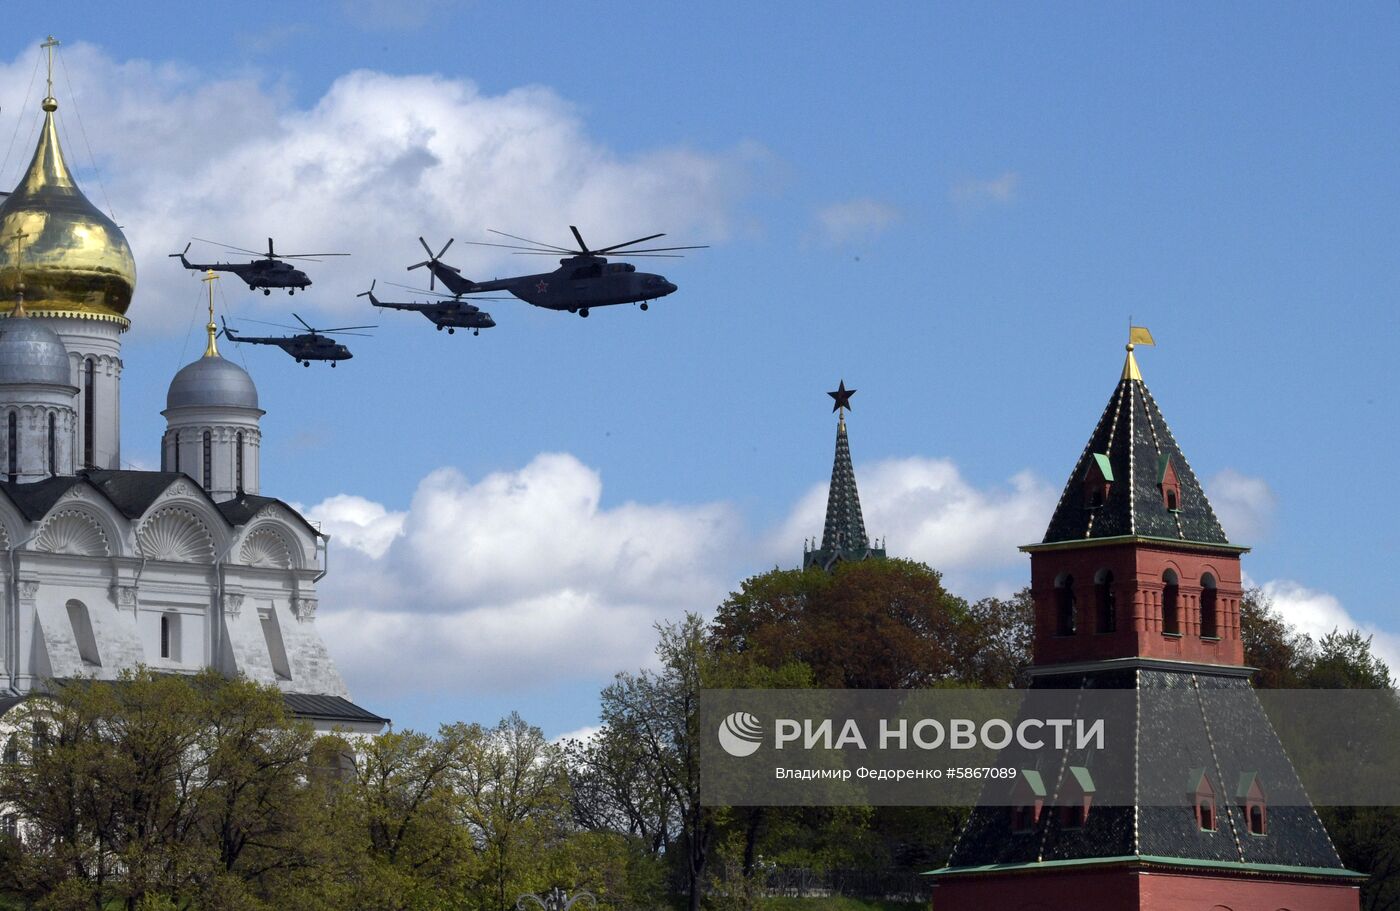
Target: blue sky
point(955, 208)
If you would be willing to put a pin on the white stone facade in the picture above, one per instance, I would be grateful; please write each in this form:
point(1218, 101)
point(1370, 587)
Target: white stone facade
point(91, 592)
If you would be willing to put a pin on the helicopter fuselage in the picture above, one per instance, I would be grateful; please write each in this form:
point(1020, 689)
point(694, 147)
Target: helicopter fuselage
point(262, 273)
point(579, 283)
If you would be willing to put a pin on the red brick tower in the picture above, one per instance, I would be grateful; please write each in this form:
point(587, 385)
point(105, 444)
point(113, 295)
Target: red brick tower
point(1136, 587)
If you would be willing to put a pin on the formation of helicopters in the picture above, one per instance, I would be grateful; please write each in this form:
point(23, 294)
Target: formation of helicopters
point(585, 279)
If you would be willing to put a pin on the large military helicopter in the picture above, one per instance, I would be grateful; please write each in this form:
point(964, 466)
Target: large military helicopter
point(305, 347)
point(450, 313)
point(271, 271)
point(583, 280)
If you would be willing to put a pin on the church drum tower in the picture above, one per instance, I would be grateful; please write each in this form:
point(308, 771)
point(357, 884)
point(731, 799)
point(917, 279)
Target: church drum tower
point(1136, 587)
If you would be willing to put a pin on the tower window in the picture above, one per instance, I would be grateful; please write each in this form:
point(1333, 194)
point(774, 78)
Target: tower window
point(1205, 814)
point(1171, 614)
point(1064, 606)
point(12, 442)
point(89, 412)
point(176, 467)
point(53, 443)
point(1105, 601)
point(208, 461)
point(239, 458)
point(1210, 626)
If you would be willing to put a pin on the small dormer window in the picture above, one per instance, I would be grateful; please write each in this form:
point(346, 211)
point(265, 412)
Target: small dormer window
point(1249, 794)
point(1027, 800)
point(1079, 795)
point(1202, 796)
point(1098, 481)
point(1168, 484)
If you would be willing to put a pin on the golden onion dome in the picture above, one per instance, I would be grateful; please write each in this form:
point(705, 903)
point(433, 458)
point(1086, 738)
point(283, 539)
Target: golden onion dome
point(72, 259)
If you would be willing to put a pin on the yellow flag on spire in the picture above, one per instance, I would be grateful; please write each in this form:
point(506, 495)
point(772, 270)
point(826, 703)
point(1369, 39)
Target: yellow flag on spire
point(1140, 335)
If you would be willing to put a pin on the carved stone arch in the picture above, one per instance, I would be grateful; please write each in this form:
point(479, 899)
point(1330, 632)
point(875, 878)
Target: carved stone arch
point(269, 546)
point(176, 534)
point(73, 530)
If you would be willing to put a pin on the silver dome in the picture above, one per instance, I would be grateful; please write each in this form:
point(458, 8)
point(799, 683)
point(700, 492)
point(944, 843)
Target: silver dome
point(31, 352)
point(212, 381)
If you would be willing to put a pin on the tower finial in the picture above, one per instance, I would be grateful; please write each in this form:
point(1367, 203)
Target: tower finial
point(211, 349)
point(1137, 335)
point(50, 103)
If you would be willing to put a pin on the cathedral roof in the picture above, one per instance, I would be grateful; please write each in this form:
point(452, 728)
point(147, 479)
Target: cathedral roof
point(73, 260)
point(212, 381)
point(132, 493)
point(32, 353)
point(1132, 479)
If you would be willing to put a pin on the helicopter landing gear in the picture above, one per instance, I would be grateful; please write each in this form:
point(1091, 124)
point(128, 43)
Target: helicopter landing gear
point(332, 365)
point(306, 363)
point(439, 328)
point(451, 331)
point(573, 309)
point(644, 305)
point(583, 313)
point(267, 291)
point(291, 291)
point(476, 332)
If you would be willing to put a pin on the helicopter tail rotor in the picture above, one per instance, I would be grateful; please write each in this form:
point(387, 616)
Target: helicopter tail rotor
point(434, 261)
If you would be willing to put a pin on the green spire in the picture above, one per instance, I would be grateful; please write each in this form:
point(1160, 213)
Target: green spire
point(844, 537)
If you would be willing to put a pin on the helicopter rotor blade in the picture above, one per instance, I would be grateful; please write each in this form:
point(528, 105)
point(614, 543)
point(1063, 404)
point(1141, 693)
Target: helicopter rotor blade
point(370, 292)
point(663, 249)
point(425, 246)
point(579, 237)
point(205, 240)
point(630, 243)
point(551, 252)
point(260, 322)
point(306, 255)
point(304, 322)
point(529, 241)
point(342, 329)
point(444, 247)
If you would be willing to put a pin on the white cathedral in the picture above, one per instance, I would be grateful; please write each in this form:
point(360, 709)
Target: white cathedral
point(104, 568)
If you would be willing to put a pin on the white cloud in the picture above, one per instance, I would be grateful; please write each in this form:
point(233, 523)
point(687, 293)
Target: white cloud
point(1318, 613)
point(999, 190)
point(855, 220)
point(355, 522)
point(375, 162)
point(518, 578)
point(928, 511)
point(1245, 505)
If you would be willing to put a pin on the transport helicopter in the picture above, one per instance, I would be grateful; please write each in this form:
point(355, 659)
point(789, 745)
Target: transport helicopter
point(269, 271)
point(305, 347)
point(450, 313)
point(584, 279)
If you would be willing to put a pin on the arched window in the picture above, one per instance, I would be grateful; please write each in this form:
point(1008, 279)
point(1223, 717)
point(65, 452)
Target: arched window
point(82, 633)
point(1105, 601)
point(208, 461)
point(1064, 605)
point(239, 458)
point(1171, 614)
point(170, 636)
point(1210, 625)
point(12, 750)
point(12, 441)
point(53, 443)
point(89, 412)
